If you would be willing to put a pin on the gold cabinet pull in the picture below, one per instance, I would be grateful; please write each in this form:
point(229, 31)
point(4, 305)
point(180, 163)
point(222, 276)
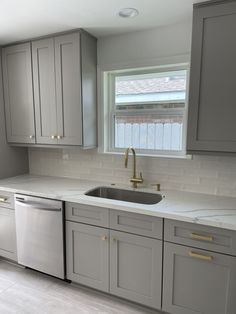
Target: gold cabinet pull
point(200, 256)
point(53, 137)
point(104, 238)
point(59, 137)
point(201, 237)
point(3, 199)
point(31, 137)
point(114, 239)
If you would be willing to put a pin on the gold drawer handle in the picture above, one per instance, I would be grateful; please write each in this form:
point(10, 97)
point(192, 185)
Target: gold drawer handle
point(200, 256)
point(104, 238)
point(201, 237)
point(3, 199)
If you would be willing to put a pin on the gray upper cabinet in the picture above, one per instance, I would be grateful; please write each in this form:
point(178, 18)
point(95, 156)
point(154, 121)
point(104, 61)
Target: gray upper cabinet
point(68, 89)
point(18, 93)
point(44, 90)
point(198, 281)
point(60, 87)
point(212, 96)
point(64, 70)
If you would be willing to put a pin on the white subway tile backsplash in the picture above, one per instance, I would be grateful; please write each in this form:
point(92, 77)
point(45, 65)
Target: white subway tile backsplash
point(204, 174)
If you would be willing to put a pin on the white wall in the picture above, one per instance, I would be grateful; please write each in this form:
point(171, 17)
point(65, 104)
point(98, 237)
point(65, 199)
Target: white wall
point(13, 161)
point(211, 175)
point(146, 46)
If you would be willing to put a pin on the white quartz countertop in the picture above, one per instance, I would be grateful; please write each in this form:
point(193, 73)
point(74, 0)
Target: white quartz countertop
point(211, 210)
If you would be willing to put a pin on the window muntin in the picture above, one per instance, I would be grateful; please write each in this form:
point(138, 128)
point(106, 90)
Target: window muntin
point(147, 111)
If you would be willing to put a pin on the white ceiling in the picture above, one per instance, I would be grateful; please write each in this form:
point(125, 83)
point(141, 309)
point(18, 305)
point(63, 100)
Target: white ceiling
point(22, 19)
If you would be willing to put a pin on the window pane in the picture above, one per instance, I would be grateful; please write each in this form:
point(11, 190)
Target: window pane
point(149, 132)
point(151, 87)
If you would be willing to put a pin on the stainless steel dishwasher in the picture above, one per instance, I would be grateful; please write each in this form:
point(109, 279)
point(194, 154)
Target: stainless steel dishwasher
point(40, 234)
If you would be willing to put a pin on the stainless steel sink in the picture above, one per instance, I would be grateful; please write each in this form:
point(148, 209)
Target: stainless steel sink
point(125, 195)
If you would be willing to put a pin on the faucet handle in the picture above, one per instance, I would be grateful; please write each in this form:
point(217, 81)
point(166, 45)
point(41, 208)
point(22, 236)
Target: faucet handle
point(158, 186)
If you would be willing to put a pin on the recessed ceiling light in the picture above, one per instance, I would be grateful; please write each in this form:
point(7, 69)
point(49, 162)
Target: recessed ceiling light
point(128, 12)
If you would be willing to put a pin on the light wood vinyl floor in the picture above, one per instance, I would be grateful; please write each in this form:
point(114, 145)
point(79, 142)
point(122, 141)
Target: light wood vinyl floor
point(24, 291)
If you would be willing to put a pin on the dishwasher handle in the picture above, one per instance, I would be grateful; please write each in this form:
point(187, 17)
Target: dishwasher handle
point(37, 205)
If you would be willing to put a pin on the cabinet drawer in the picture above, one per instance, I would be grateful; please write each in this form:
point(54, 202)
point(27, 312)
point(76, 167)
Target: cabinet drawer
point(209, 238)
point(92, 215)
point(136, 223)
point(6, 199)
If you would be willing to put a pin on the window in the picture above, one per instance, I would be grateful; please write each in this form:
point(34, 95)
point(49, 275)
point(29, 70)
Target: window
point(147, 111)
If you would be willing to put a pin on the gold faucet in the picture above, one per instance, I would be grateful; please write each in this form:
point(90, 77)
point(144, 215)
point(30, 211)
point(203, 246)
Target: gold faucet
point(135, 180)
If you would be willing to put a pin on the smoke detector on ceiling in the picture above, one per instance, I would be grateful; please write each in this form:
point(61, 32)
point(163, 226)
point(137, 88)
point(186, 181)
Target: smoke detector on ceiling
point(128, 12)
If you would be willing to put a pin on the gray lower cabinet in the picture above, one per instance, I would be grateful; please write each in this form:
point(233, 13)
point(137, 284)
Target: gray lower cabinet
point(198, 281)
point(7, 233)
point(88, 255)
point(136, 268)
point(211, 113)
point(18, 93)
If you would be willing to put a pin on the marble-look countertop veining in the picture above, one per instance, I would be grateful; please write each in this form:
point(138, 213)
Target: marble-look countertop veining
point(211, 210)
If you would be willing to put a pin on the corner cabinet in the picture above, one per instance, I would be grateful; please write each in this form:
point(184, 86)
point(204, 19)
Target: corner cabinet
point(18, 93)
point(63, 81)
point(212, 110)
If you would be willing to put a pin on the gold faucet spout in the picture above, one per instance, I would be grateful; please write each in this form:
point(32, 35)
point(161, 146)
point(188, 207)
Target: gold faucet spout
point(135, 180)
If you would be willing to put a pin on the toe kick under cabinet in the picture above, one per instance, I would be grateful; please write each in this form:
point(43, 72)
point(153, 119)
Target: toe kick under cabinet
point(113, 255)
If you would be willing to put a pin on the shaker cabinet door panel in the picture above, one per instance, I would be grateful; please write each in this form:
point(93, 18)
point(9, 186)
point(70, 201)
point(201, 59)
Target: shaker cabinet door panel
point(44, 91)
point(68, 87)
point(18, 93)
point(136, 268)
point(212, 110)
point(7, 233)
point(198, 281)
point(87, 255)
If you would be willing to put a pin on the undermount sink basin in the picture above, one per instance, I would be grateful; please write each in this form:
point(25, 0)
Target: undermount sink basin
point(125, 195)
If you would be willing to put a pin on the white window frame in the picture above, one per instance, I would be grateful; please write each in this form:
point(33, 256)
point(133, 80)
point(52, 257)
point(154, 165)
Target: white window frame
point(109, 110)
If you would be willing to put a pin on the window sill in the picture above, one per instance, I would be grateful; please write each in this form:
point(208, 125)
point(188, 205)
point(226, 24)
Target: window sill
point(150, 155)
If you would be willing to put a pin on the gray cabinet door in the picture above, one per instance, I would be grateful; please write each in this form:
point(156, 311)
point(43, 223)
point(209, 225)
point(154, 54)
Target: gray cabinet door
point(136, 268)
point(44, 91)
point(87, 255)
point(7, 233)
point(68, 88)
point(198, 281)
point(18, 93)
point(212, 110)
